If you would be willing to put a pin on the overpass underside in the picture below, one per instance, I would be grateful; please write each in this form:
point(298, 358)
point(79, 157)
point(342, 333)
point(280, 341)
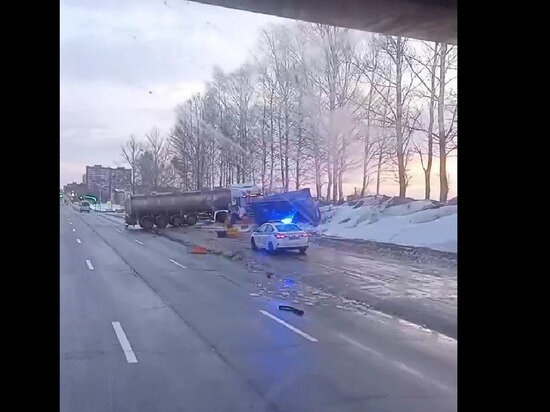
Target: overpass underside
point(433, 20)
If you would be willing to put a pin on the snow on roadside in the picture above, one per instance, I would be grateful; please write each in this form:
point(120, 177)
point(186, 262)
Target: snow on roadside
point(105, 207)
point(409, 222)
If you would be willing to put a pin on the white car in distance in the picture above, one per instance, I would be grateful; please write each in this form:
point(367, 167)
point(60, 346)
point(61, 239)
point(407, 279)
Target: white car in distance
point(273, 236)
point(84, 206)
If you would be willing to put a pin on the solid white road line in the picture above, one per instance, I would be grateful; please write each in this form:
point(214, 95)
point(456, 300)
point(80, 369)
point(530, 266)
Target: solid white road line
point(292, 328)
point(78, 240)
point(128, 352)
point(89, 264)
point(137, 241)
point(399, 365)
point(177, 263)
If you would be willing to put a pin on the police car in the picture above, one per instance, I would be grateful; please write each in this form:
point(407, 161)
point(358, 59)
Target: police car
point(277, 235)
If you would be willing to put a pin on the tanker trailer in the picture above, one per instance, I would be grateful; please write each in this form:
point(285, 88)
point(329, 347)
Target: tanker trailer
point(176, 208)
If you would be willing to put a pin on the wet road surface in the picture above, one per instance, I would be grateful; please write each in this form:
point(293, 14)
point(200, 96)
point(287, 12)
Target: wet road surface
point(147, 326)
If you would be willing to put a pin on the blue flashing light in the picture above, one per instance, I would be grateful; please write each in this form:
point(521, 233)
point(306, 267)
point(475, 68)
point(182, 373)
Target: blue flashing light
point(286, 220)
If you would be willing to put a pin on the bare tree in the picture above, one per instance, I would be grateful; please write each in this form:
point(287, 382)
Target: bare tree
point(446, 135)
point(316, 130)
point(159, 158)
point(264, 96)
point(338, 79)
point(419, 66)
point(145, 168)
point(179, 147)
point(372, 147)
point(395, 48)
point(241, 91)
point(222, 122)
point(384, 150)
point(188, 143)
point(131, 152)
point(312, 108)
point(398, 99)
point(278, 53)
point(385, 147)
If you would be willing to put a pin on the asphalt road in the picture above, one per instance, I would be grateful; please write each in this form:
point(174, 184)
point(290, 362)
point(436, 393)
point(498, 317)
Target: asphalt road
point(344, 275)
point(146, 326)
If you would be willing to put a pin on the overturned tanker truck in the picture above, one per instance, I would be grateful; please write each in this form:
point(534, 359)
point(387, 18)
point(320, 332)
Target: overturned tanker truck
point(185, 208)
point(176, 209)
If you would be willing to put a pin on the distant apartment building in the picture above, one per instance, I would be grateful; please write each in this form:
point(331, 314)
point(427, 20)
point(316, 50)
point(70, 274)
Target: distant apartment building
point(84, 179)
point(79, 189)
point(105, 182)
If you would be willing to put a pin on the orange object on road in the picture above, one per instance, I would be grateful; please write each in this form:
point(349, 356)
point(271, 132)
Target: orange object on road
point(198, 249)
point(232, 232)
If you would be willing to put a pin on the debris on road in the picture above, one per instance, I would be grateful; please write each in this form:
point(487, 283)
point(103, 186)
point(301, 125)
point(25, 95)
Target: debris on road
point(232, 232)
point(363, 277)
point(237, 256)
point(198, 250)
point(299, 312)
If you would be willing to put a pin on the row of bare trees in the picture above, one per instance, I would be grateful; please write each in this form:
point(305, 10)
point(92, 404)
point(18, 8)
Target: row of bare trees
point(313, 105)
point(149, 162)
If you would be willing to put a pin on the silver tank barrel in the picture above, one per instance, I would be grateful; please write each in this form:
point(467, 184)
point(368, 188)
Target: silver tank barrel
point(183, 202)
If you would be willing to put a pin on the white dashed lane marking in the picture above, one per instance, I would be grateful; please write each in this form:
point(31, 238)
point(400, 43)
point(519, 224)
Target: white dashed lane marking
point(177, 263)
point(288, 325)
point(123, 340)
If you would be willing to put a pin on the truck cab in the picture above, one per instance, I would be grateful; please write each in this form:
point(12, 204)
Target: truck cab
point(240, 199)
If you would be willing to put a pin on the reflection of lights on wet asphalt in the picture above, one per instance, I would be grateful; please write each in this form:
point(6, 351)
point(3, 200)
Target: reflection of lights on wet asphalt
point(289, 283)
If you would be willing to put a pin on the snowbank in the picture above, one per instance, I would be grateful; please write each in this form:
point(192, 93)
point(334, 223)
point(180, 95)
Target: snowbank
point(105, 207)
point(402, 221)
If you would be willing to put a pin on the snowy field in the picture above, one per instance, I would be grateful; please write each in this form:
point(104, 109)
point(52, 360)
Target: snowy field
point(423, 223)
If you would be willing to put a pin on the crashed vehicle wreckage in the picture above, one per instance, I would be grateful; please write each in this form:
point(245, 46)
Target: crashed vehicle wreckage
point(238, 202)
